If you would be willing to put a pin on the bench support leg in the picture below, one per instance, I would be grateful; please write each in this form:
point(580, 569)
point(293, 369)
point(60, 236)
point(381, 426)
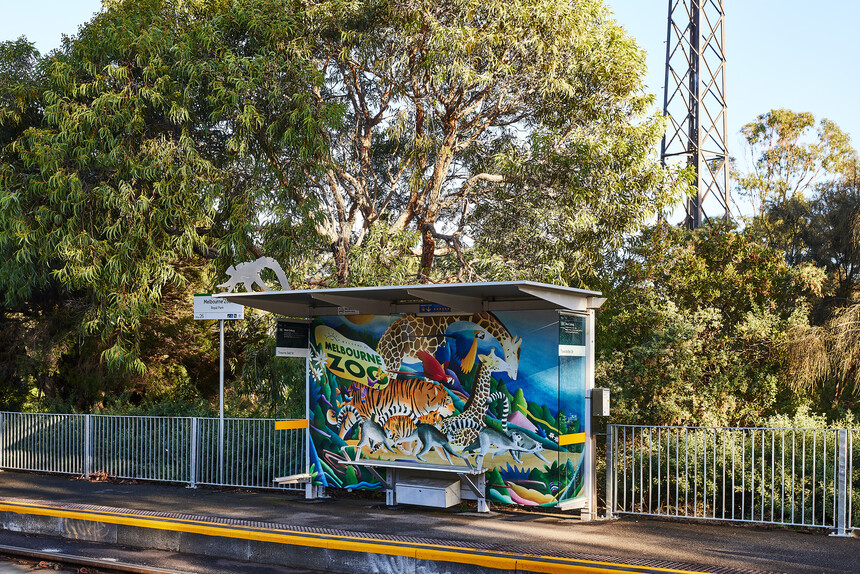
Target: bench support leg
point(390, 485)
point(479, 489)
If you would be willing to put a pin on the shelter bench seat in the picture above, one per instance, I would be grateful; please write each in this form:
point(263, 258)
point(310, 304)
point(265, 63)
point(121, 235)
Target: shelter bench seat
point(293, 479)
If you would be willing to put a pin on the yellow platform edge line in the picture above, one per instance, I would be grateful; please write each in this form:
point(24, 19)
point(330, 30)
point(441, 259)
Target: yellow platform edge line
point(498, 562)
point(575, 438)
point(287, 425)
point(551, 565)
point(166, 523)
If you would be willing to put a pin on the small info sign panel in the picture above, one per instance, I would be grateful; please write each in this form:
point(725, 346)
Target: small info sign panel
point(209, 307)
point(291, 339)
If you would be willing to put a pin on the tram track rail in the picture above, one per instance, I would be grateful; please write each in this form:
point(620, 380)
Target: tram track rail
point(93, 565)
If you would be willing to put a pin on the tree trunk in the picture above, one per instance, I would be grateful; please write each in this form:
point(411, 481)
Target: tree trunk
point(428, 250)
point(340, 250)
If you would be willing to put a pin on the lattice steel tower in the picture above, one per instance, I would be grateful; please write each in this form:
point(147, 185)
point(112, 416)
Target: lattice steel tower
point(695, 101)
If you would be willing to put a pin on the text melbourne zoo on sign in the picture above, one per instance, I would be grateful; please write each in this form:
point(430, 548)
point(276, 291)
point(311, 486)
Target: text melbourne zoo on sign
point(208, 307)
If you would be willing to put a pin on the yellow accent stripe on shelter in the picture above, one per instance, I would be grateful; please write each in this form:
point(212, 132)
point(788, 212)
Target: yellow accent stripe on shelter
point(575, 438)
point(287, 425)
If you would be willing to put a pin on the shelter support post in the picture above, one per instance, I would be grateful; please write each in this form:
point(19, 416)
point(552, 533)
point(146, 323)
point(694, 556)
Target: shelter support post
point(589, 511)
point(841, 483)
point(610, 472)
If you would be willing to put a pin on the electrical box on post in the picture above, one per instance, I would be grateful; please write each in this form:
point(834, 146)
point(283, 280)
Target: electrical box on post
point(600, 402)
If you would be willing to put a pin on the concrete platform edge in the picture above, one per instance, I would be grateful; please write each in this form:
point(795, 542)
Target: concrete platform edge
point(314, 553)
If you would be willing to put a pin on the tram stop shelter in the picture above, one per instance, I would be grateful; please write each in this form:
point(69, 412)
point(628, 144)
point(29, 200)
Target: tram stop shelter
point(438, 393)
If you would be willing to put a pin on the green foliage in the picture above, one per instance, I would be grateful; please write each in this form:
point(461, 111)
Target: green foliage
point(103, 195)
point(262, 384)
point(384, 253)
point(170, 138)
point(804, 418)
point(129, 159)
point(809, 210)
point(695, 333)
point(361, 142)
point(790, 155)
point(823, 230)
point(832, 238)
point(791, 160)
point(20, 81)
point(827, 357)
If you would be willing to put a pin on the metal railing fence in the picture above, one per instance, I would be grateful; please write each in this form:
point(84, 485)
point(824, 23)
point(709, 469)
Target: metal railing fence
point(254, 453)
point(141, 448)
point(50, 443)
point(794, 477)
point(168, 449)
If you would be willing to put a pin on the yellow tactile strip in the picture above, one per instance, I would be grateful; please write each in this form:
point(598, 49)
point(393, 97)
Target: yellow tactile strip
point(489, 556)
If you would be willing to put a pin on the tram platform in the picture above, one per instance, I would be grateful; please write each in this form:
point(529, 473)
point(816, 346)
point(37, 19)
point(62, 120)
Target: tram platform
point(351, 533)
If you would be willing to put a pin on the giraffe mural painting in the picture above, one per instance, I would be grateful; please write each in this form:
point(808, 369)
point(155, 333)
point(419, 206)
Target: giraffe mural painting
point(502, 390)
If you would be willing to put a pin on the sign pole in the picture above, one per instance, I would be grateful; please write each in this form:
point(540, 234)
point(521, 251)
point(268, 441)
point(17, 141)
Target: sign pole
point(221, 405)
point(207, 307)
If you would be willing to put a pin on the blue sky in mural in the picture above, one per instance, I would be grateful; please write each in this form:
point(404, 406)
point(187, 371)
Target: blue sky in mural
point(538, 372)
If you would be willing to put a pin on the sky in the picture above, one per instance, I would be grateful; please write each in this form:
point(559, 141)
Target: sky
point(791, 54)
point(44, 21)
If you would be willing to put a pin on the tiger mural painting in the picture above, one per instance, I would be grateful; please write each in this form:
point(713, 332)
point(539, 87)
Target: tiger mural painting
point(420, 400)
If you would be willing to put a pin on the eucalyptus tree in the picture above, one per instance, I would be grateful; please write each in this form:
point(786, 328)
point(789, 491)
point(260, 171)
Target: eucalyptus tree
point(790, 155)
point(825, 355)
point(832, 237)
point(487, 138)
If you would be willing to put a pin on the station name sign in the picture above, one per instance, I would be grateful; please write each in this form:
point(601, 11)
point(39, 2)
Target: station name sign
point(207, 307)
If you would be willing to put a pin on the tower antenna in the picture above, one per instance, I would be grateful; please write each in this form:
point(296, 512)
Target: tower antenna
point(694, 101)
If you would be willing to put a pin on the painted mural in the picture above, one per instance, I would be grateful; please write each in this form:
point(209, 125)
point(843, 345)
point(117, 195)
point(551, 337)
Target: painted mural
point(487, 389)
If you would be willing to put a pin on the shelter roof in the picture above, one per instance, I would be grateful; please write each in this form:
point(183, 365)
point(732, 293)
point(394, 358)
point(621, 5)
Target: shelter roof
point(460, 297)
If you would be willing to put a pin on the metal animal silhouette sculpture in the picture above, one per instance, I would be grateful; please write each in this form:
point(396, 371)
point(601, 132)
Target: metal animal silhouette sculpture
point(248, 273)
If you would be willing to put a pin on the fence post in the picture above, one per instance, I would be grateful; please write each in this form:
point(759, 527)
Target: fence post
point(610, 472)
point(841, 484)
point(3, 447)
point(88, 445)
point(193, 454)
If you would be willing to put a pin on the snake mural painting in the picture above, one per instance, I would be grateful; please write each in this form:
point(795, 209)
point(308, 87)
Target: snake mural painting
point(487, 388)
